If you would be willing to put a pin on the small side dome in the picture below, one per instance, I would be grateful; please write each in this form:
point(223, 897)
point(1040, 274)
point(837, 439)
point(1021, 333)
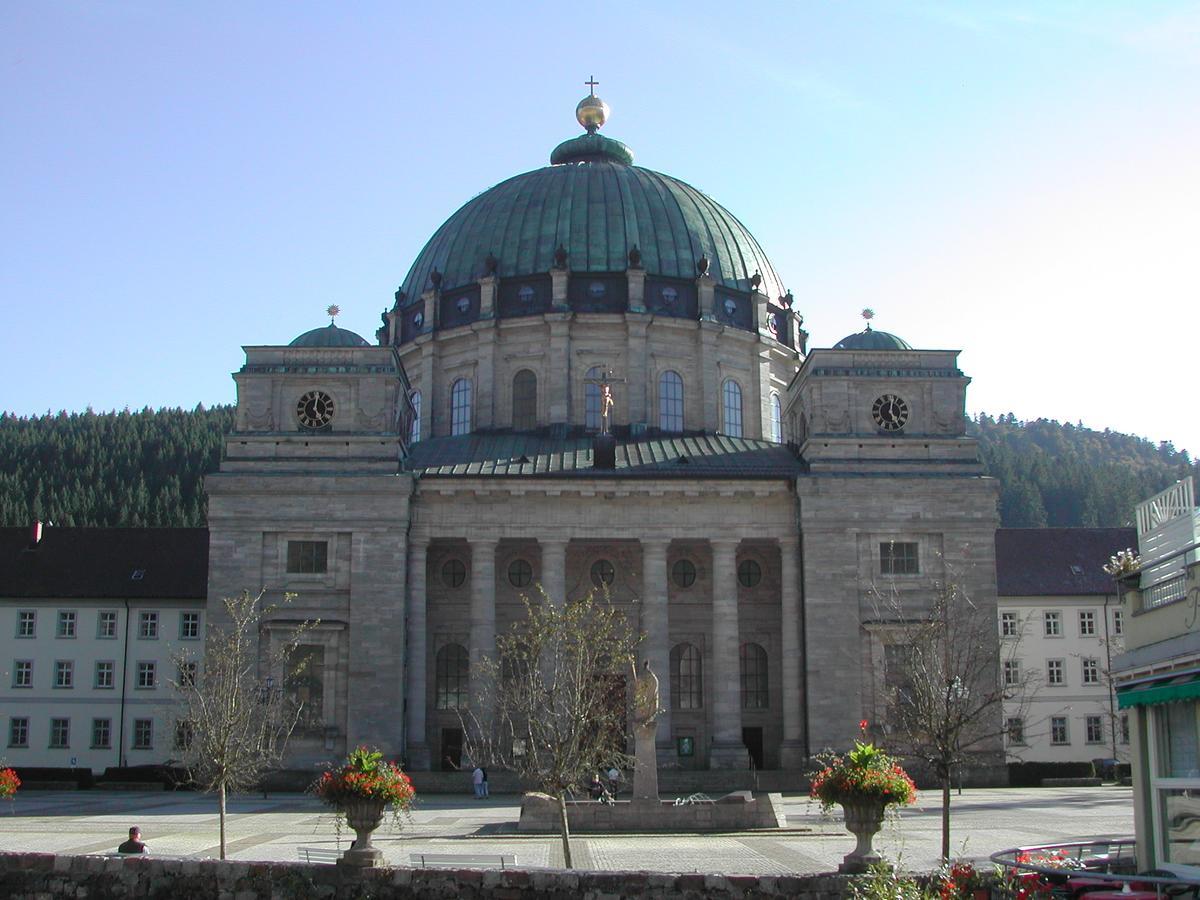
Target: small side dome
point(329, 336)
point(868, 339)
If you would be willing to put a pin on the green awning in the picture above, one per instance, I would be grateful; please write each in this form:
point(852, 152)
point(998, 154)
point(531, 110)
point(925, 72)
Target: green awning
point(1183, 688)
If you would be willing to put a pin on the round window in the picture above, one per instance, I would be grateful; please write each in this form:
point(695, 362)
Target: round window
point(669, 295)
point(596, 289)
point(463, 304)
point(683, 573)
point(603, 573)
point(418, 319)
point(749, 573)
point(454, 573)
point(730, 306)
point(520, 573)
point(526, 293)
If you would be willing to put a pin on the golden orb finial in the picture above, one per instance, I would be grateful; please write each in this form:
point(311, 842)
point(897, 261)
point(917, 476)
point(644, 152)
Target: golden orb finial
point(592, 112)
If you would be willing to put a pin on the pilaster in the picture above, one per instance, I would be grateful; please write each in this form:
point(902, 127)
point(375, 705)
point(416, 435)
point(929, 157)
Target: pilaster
point(727, 751)
point(558, 384)
point(656, 627)
point(482, 616)
point(637, 386)
point(487, 296)
point(558, 288)
point(417, 754)
point(485, 370)
point(791, 752)
point(636, 281)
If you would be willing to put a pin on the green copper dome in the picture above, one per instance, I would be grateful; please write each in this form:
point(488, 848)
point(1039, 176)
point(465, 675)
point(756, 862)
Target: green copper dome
point(872, 340)
point(598, 207)
point(329, 336)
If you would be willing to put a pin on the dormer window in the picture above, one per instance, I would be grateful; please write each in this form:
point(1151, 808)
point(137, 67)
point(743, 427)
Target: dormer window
point(526, 294)
point(596, 290)
point(669, 295)
point(730, 306)
point(418, 319)
point(463, 305)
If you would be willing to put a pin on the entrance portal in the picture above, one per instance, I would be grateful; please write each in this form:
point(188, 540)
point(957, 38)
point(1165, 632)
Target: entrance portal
point(753, 739)
point(452, 744)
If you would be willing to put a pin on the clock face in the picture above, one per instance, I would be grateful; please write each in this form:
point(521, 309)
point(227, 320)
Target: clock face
point(315, 409)
point(890, 412)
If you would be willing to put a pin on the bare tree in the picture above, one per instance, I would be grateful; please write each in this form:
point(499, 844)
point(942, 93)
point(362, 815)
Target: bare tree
point(551, 707)
point(233, 724)
point(944, 683)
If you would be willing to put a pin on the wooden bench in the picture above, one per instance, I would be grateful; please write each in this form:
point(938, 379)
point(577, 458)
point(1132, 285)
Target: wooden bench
point(319, 855)
point(463, 860)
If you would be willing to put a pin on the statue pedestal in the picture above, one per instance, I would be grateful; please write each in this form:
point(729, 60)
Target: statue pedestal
point(645, 768)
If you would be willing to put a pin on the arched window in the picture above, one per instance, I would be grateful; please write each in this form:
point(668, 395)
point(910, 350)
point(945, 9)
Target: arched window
point(754, 677)
point(591, 399)
point(731, 392)
point(414, 431)
point(524, 401)
point(670, 401)
point(453, 674)
point(460, 407)
point(687, 681)
point(776, 419)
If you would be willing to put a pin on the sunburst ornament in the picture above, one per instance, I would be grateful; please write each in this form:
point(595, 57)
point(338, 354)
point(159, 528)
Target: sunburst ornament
point(333, 311)
point(868, 314)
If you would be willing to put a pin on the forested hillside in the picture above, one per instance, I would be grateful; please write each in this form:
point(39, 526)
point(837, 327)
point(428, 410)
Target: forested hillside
point(126, 468)
point(1064, 474)
point(146, 468)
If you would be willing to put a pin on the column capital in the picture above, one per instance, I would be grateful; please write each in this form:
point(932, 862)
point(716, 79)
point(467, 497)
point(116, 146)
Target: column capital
point(654, 544)
point(553, 542)
point(791, 540)
point(725, 542)
point(483, 542)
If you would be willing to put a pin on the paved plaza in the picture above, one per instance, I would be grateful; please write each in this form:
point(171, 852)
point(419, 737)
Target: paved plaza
point(185, 824)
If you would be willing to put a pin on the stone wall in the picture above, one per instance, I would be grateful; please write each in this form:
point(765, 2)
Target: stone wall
point(26, 876)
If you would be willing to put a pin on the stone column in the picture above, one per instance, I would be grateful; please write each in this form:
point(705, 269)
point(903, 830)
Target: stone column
point(657, 645)
point(728, 751)
point(554, 569)
point(418, 747)
point(791, 753)
point(483, 612)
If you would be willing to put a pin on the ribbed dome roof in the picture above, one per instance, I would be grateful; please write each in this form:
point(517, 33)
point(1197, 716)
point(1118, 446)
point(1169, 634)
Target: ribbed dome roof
point(329, 336)
point(598, 208)
point(869, 339)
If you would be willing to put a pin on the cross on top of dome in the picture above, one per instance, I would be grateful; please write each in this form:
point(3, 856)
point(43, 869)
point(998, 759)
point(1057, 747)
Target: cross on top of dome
point(592, 112)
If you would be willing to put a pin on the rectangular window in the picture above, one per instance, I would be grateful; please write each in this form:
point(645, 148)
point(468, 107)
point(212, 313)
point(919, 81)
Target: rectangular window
point(1091, 670)
point(148, 626)
point(101, 734)
point(898, 558)
point(143, 734)
point(64, 673)
point(1094, 728)
point(1052, 620)
point(1012, 671)
point(146, 675)
point(60, 734)
point(23, 673)
point(18, 731)
point(1118, 622)
point(187, 674)
point(66, 623)
point(26, 623)
point(1008, 624)
point(1058, 730)
point(183, 735)
point(106, 624)
point(1014, 726)
point(1054, 672)
point(1124, 728)
point(307, 557)
point(1087, 622)
point(104, 673)
point(189, 626)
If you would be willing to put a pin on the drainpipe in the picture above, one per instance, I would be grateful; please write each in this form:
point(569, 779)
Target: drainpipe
point(124, 678)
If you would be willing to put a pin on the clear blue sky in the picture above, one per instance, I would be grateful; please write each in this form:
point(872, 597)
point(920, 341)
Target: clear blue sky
point(1018, 180)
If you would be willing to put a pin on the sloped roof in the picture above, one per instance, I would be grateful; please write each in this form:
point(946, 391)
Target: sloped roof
point(1034, 562)
point(697, 456)
point(102, 562)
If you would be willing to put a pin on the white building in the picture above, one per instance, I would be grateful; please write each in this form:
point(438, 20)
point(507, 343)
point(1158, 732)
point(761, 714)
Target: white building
point(1158, 680)
point(91, 622)
point(1060, 626)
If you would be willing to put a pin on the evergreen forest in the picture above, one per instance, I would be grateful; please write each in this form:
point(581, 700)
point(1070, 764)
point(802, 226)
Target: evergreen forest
point(146, 468)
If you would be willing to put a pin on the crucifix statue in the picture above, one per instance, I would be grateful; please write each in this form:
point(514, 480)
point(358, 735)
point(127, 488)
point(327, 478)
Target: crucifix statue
point(605, 382)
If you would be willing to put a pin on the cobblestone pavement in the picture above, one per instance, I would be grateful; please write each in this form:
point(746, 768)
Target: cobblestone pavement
point(185, 824)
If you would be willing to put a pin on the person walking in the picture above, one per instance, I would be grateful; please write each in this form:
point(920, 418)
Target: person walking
point(485, 782)
point(477, 780)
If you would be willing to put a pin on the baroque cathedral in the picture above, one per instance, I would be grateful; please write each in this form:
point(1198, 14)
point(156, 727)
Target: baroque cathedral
point(593, 378)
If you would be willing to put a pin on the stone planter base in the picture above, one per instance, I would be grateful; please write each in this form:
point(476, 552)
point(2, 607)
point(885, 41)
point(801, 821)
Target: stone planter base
point(864, 818)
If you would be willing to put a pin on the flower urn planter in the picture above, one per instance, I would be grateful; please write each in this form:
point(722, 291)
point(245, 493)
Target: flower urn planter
point(363, 815)
point(864, 818)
